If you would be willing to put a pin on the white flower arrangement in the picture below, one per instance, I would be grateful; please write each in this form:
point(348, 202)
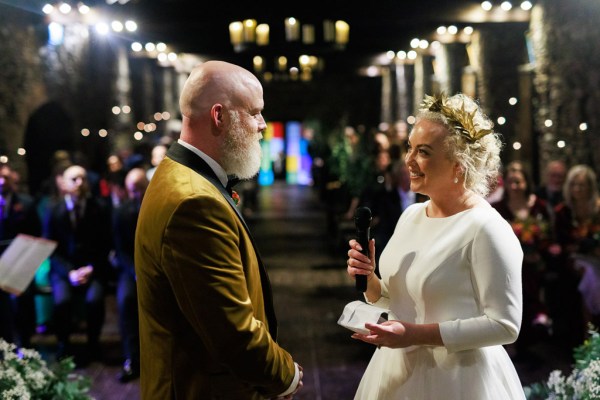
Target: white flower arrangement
point(24, 375)
point(583, 383)
point(580, 384)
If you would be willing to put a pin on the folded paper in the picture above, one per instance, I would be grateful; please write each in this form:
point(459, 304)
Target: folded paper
point(357, 313)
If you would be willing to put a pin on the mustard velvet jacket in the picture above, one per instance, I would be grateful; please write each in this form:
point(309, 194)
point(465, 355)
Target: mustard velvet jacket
point(207, 325)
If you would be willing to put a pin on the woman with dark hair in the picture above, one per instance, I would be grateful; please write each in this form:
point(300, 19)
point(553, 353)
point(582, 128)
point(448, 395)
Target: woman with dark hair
point(528, 216)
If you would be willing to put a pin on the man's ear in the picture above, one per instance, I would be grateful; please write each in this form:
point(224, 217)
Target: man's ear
point(216, 115)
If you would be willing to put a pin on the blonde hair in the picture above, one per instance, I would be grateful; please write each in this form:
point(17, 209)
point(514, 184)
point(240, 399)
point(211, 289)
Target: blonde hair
point(590, 176)
point(471, 141)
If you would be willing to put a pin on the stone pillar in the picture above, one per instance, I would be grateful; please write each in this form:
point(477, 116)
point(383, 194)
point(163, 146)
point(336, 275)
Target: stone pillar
point(142, 88)
point(451, 59)
point(123, 89)
point(22, 89)
point(401, 98)
point(387, 93)
point(171, 93)
point(423, 83)
point(497, 51)
point(525, 132)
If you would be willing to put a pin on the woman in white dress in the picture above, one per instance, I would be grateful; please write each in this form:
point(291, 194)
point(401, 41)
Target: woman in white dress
point(450, 274)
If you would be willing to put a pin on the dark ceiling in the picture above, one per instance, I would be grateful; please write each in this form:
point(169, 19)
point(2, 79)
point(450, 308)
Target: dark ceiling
point(202, 27)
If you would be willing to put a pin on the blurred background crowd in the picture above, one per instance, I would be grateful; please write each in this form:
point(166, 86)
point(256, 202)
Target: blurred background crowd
point(92, 215)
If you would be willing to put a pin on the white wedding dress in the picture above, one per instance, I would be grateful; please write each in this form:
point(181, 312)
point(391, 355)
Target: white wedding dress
point(464, 272)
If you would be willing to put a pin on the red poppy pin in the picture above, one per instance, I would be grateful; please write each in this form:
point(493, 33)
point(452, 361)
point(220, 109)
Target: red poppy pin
point(235, 197)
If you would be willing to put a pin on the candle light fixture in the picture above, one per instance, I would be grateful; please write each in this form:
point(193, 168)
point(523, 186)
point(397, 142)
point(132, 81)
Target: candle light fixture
point(302, 45)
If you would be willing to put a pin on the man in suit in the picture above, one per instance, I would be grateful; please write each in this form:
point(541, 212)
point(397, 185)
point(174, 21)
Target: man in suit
point(552, 189)
point(125, 218)
point(80, 224)
point(207, 323)
point(17, 215)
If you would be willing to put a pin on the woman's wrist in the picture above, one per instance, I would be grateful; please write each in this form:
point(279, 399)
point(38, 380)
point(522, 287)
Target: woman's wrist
point(373, 292)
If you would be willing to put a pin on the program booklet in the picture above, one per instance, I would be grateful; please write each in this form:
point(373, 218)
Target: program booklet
point(21, 260)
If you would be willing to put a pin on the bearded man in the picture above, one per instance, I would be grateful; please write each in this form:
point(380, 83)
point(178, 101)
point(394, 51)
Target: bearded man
point(207, 323)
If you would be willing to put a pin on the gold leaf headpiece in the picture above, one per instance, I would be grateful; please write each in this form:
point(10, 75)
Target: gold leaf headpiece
point(460, 120)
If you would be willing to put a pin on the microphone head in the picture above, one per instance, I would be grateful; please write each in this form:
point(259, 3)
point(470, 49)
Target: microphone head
point(362, 217)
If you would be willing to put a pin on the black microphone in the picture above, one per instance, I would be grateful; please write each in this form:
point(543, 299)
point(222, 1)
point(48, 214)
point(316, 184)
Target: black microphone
point(362, 220)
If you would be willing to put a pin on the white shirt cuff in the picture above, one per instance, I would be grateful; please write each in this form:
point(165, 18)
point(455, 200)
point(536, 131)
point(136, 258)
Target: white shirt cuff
point(294, 382)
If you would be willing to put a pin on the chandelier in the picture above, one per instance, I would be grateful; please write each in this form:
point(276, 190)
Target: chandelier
point(291, 50)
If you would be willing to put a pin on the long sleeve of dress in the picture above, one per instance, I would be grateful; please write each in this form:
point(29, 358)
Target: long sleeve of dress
point(496, 259)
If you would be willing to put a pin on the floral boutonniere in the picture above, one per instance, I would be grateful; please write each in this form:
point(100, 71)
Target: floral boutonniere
point(235, 197)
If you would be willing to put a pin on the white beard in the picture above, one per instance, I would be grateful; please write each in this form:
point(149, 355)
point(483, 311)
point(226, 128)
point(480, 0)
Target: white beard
point(242, 154)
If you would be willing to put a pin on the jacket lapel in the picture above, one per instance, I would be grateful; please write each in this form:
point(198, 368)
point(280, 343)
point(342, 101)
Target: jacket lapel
point(186, 157)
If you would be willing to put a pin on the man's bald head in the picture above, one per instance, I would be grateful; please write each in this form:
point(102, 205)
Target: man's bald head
point(136, 183)
point(215, 82)
point(221, 106)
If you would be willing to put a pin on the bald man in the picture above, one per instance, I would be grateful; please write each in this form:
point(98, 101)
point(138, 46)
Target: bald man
point(207, 323)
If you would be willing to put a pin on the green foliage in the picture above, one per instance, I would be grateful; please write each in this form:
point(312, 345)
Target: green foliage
point(588, 351)
point(582, 384)
point(24, 375)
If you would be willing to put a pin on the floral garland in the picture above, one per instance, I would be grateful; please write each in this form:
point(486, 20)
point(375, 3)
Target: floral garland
point(460, 120)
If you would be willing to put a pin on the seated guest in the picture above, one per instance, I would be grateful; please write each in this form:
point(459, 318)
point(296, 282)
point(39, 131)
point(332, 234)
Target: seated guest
point(80, 224)
point(124, 223)
point(17, 215)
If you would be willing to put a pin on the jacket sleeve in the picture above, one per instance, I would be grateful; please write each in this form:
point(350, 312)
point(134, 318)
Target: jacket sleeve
point(217, 287)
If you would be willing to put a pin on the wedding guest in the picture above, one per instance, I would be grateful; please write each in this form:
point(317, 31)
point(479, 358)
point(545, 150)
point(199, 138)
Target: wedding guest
point(552, 188)
point(158, 153)
point(528, 216)
point(112, 184)
point(17, 215)
point(125, 218)
point(450, 274)
point(388, 203)
point(497, 191)
point(357, 168)
point(80, 224)
point(577, 220)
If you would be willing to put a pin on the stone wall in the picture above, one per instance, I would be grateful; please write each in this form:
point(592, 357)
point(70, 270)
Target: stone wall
point(501, 52)
point(21, 85)
point(565, 38)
